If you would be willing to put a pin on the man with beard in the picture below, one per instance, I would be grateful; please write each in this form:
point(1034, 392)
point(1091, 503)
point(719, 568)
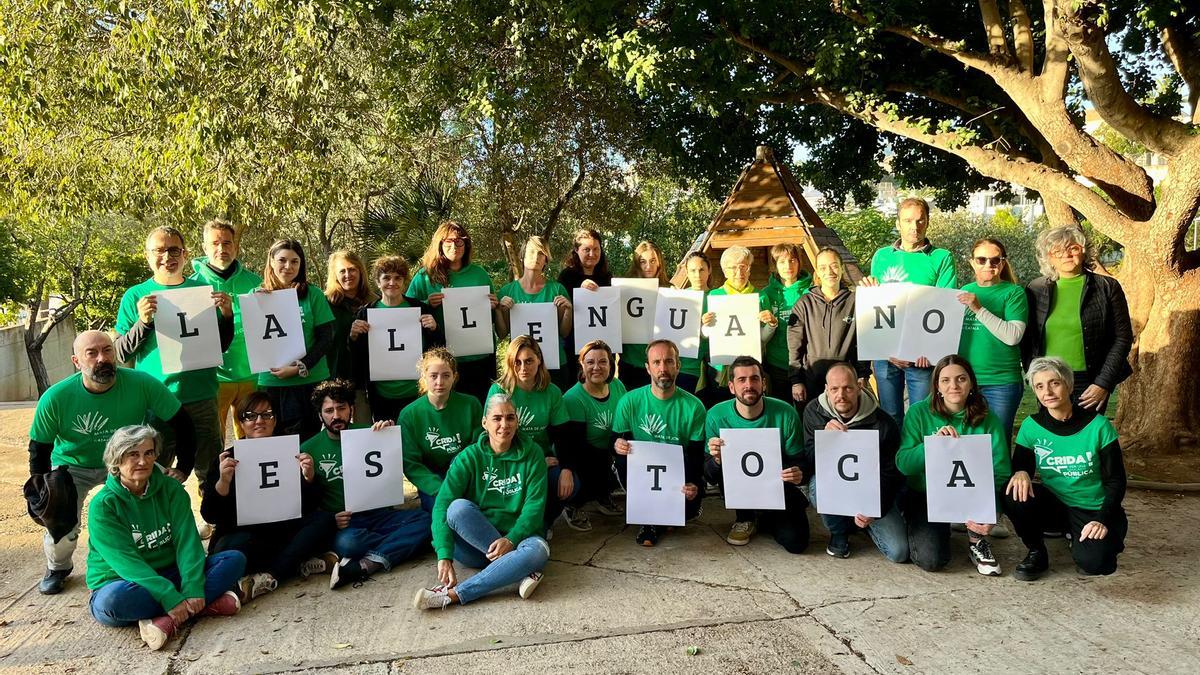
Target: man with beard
point(74, 420)
point(663, 413)
point(367, 541)
point(749, 409)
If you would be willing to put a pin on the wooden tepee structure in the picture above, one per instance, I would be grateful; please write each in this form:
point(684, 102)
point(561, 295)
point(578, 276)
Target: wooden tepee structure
point(766, 207)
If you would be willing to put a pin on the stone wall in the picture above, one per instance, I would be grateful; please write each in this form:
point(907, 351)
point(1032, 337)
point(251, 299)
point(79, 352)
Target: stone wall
point(16, 378)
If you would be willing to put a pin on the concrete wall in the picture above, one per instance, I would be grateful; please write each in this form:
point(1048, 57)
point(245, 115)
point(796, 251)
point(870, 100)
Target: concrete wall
point(16, 379)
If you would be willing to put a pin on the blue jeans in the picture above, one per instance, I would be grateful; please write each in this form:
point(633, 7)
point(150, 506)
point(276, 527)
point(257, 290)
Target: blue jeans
point(124, 603)
point(892, 380)
point(554, 505)
point(889, 532)
point(1003, 400)
point(385, 536)
point(473, 534)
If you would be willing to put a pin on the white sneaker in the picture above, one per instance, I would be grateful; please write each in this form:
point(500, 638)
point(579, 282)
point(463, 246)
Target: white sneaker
point(981, 555)
point(529, 583)
point(155, 632)
point(740, 533)
point(261, 584)
point(432, 598)
point(319, 565)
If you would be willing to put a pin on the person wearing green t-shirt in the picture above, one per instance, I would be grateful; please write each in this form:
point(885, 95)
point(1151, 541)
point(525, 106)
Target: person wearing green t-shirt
point(488, 514)
point(446, 263)
point(910, 259)
point(166, 254)
point(696, 375)
point(788, 283)
point(1077, 454)
point(591, 407)
point(438, 425)
point(290, 387)
point(993, 328)
point(543, 419)
point(386, 398)
point(646, 262)
point(145, 563)
point(535, 286)
point(663, 413)
point(221, 269)
point(750, 409)
point(955, 409)
point(736, 262)
point(73, 421)
point(367, 541)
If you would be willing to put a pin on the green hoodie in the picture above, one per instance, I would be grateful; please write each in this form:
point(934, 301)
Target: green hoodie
point(237, 364)
point(130, 538)
point(783, 298)
point(920, 422)
point(510, 490)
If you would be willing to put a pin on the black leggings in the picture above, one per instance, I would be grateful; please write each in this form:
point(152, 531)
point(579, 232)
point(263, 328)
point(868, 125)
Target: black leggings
point(1046, 512)
point(280, 548)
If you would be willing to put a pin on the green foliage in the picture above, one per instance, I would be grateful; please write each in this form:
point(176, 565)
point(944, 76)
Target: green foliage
point(862, 232)
point(957, 232)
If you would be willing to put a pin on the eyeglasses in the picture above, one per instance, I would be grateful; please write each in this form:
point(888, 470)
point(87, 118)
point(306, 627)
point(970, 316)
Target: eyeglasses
point(250, 415)
point(455, 242)
point(983, 261)
point(172, 253)
point(1073, 249)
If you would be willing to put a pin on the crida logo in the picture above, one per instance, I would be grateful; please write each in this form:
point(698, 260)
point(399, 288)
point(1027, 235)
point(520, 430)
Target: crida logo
point(330, 469)
point(489, 474)
point(654, 425)
point(432, 435)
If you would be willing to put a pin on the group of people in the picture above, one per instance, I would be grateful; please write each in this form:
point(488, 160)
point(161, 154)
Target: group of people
point(499, 456)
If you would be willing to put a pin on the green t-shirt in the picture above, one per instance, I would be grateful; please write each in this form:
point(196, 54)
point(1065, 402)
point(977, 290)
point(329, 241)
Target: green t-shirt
point(596, 415)
point(394, 389)
point(237, 365)
point(934, 267)
point(314, 311)
point(764, 302)
point(188, 386)
point(677, 420)
point(776, 414)
point(471, 275)
point(782, 299)
point(79, 423)
point(1064, 330)
point(549, 292)
point(326, 453)
point(432, 437)
point(920, 422)
point(994, 362)
point(537, 411)
point(1070, 465)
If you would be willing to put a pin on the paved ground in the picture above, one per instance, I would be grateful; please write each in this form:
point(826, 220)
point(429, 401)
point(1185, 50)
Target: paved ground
point(608, 605)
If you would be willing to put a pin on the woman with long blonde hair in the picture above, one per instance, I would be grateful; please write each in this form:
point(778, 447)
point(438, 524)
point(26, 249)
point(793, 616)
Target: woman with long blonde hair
point(646, 263)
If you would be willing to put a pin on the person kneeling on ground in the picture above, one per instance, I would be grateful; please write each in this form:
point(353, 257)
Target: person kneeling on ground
point(845, 405)
point(276, 551)
point(1078, 456)
point(367, 541)
point(489, 512)
point(145, 563)
point(750, 409)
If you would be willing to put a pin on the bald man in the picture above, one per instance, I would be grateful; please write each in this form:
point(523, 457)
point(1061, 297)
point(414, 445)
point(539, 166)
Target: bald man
point(74, 420)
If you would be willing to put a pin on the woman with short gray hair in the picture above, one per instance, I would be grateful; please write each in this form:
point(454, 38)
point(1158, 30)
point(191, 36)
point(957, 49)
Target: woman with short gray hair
point(1079, 316)
point(146, 564)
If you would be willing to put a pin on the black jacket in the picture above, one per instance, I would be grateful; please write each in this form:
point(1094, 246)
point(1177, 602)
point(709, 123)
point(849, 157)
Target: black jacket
point(819, 412)
point(1104, 317)
point(221, 511)
point(821, 333)
point(51, 499)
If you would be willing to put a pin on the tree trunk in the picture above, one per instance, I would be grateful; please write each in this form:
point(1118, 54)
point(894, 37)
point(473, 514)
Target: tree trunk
point(1158, 413)
point(37, 364)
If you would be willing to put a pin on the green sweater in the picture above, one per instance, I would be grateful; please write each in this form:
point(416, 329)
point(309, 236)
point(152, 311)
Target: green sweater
point(782, 299)
point(433, 438)
point(920, 422)
point(242, 281)
point(510, 490)
point(927, 266)
point(131, 538)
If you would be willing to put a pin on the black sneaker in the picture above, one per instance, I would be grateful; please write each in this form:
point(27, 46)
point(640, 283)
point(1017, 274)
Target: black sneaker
point(839, 546)
point(1035, 564)
point(53, 582)
point(348, 571)
point(648, 535)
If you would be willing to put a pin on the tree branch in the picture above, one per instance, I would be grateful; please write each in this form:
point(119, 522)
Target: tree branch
point(1184, 54)
point(1055, 67)
point(565, 198)
point(937, 43)
point(1022, 34)
point(994, 27)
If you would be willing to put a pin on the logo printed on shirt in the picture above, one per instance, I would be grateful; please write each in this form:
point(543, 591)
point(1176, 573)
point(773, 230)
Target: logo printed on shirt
point(449, 445)
point(90, 423)
point(525, 419)
point(331, 469)
point(603, 419)
point(505, 486)
point(1068, 466)
point(489, 474)
point(654, 425)
point(894, 275)
point(155, 539)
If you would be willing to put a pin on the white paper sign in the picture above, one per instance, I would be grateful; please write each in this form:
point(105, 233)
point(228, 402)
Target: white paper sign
point(848, 480)
point(751, 462)
point(467, 313)
point(737, 332)
point(185, 325)
point(394, 342)
point(267, 479)
point(933, 319)
point(959, 481)
point(372, 468)
point(273, 329)
point(655, 484)
point(638, 299)
point(677, 318)
point(538, 320)
point(879, 319)
point(597, 316)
